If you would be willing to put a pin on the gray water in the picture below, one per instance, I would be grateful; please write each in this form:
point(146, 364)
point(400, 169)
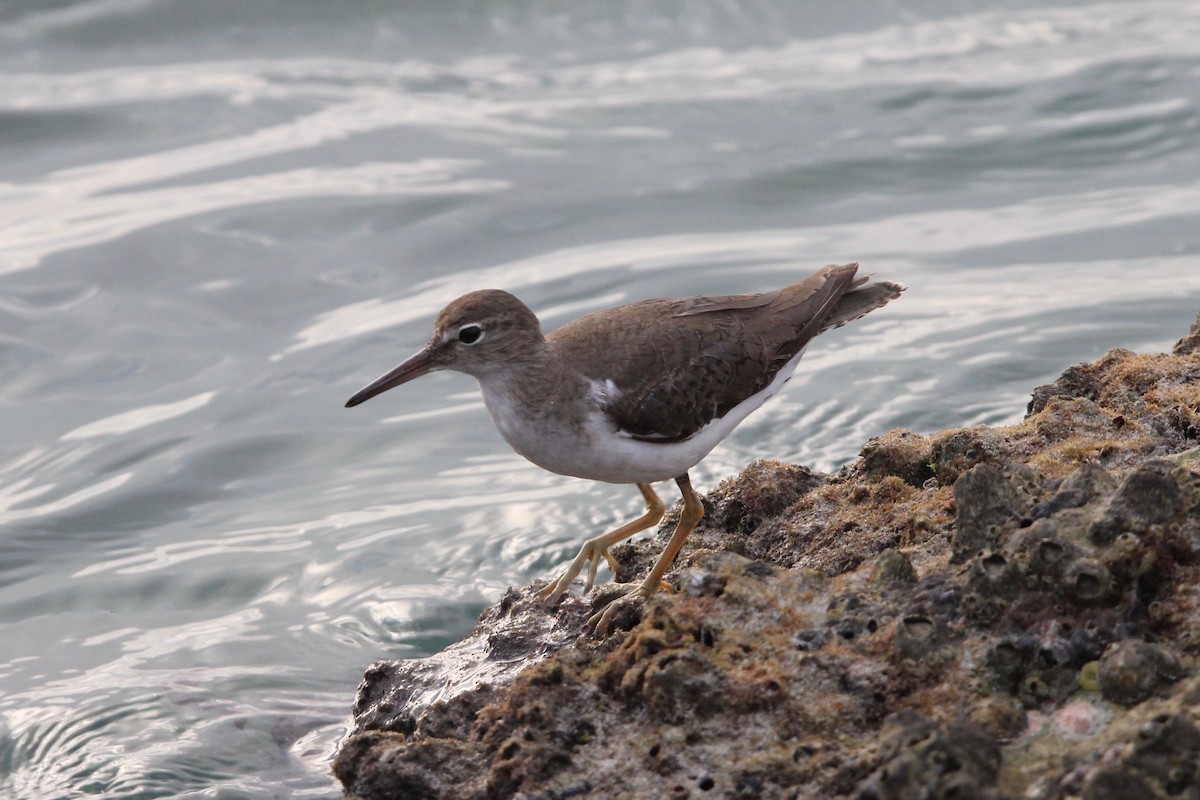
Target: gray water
point(219, 219)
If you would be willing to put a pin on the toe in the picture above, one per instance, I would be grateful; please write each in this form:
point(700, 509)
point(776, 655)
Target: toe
point(621, 614)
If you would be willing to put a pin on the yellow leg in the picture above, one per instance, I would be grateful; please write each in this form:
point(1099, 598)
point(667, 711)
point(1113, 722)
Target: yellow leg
point(595, 549)
point(693, 511)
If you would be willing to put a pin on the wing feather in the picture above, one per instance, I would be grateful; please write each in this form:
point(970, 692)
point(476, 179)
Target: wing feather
point(679, 364)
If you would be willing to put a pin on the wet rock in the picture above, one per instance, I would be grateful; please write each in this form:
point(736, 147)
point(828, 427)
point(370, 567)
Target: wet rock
point(1080, 430)
point(1043, 552)
point(1114, 783)
point(1190, 461)
point(811, 639)
point(513, 634)
point(1167, 753)
point(675, 684)
point(938, 598)
point(379, 764)
point(1150, 495)
point(1008, 661)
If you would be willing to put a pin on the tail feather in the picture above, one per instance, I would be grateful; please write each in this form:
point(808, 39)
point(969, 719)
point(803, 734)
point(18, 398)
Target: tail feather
point(863, 299)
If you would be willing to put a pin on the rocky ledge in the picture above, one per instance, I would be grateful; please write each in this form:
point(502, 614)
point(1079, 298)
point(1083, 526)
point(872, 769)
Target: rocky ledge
point(990, 612)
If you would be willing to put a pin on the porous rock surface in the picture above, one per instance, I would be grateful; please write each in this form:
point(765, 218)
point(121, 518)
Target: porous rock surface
point(991, 613)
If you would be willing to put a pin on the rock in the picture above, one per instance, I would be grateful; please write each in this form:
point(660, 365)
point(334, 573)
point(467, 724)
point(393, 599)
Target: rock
point(1149, 495)
point(1090, 481)
point(382, 764)
point(763, 490)
point(987, 504)
point(955, 452)
point(892, 565)
point(1189, 344)
point(918, 637)
point(512, 635)
point(1130, 671)
point(923, 759)
point(983, 613)
point(999, 717)
point(1153, 753)
point(1080, 381)
point(902, 453)
point(992, 583)
point(1087, 581)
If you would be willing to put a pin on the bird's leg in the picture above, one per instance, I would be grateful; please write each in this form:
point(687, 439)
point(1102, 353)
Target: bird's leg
point(595, 549)
point(693, 511)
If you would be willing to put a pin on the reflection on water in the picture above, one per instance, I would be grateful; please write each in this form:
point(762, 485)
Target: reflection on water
point(219, 220)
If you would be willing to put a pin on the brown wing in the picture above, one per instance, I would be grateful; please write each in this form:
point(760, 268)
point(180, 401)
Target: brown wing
point(679, 364)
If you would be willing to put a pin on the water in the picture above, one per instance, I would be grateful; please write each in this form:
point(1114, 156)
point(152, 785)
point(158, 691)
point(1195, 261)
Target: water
point(219, 219)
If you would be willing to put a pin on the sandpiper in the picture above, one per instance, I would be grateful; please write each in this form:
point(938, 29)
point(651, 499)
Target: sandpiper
point(635, 394)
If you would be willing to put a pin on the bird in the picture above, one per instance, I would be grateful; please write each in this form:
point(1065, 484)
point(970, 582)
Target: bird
point(636, 394)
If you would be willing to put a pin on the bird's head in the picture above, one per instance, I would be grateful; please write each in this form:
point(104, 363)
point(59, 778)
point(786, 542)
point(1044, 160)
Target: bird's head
point(479, 333)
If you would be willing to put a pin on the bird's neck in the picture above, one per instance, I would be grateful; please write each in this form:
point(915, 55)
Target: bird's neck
point(532, 390)
point(528, 378)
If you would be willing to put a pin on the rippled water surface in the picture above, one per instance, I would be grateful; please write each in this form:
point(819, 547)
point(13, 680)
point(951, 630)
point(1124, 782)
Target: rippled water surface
point(219, 219)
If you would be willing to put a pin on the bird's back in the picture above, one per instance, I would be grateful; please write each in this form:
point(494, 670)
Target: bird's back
point(676, 365)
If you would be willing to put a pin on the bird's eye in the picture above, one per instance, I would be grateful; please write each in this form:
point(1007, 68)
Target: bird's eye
point(470, 334)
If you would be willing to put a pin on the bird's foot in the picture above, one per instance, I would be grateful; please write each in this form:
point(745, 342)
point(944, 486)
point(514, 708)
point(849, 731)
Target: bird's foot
point(623, 611)
point(595, 549)
point(592, 551)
